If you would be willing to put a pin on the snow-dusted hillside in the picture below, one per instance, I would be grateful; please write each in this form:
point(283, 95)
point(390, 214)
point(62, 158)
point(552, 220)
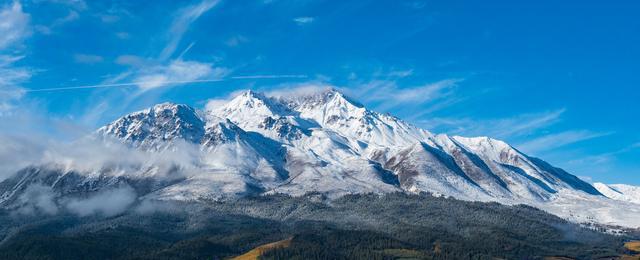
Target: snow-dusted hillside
point(620, 192)
point(322, 142)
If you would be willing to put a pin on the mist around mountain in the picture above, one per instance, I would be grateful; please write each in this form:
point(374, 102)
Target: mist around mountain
point(343, 181)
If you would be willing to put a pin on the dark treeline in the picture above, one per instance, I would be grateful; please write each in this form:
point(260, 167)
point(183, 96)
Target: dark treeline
point(353, 227)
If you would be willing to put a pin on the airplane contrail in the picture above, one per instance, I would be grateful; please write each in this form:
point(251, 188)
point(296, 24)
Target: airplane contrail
point(168, 82)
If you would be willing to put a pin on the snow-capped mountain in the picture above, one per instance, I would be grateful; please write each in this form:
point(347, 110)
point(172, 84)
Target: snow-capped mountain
point(621, 192)
point(321, 142)
point(157, 127)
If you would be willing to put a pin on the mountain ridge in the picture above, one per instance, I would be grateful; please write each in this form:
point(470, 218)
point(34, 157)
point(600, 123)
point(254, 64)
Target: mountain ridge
point(325, 142)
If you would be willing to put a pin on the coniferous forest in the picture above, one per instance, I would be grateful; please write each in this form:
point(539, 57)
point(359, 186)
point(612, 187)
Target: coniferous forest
point(392, 226)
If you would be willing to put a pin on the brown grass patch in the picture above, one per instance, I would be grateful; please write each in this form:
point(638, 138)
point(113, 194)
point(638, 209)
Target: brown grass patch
point(633, 246)
point(255, 253)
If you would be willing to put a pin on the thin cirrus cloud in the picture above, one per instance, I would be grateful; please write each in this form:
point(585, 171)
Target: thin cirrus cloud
point(557, 140)
point(303, 20)
point(48, 29)
point(178, 71)
point(166, 83)
point(14, 25)
point(181, 23)
point(14, 28)
point(502, 128)
point(400, 73)
point(162, 71)
point(387, 95)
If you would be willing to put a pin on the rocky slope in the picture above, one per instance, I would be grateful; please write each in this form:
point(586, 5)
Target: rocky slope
point(322, 142)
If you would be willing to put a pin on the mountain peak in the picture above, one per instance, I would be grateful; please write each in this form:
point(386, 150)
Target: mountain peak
point(151, 127)
point(171, 108)
point(252, 103)
point(248, 97)
point(167, 105)
point(252, 94)
point(317, 98)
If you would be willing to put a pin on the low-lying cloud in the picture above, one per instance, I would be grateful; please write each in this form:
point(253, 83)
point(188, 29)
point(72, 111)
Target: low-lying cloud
point(90, 156)
point(37, 198)
point(107, 203)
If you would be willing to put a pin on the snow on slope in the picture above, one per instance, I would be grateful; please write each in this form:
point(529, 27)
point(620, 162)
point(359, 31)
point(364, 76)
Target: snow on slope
point(158, 126)
point(325, 142)
point(620, 192)
point(332, 110)
point(579, 207)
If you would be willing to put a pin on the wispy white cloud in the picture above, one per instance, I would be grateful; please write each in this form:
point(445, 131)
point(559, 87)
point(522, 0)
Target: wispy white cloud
point(215, 103)
point(181, 23)
point(502, 128)
point(87, 58)
point(185, 51)
point(113, 14)
point(421, 94)
point(556, 140)
point(48, 29)
point(11, 76)
point(388, 95)
point(165, 70)
point(178, 71)
point(14, 28)
point(400, 73)
point(273, 76)
point(164, 83)
point(14, 25)
point(304, 20)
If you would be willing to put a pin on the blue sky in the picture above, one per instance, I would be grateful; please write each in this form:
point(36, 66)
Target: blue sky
point(557, 79)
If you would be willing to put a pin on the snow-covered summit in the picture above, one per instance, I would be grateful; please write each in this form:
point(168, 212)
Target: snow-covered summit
point(156, 126)
point(327, 142)
point(327, 127)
